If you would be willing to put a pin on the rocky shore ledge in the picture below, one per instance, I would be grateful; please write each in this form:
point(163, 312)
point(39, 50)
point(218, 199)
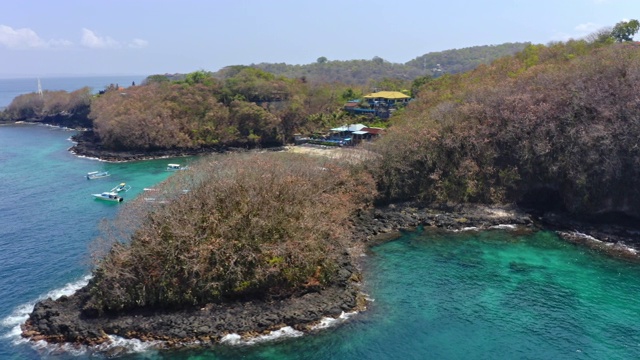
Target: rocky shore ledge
point(62, 320)
point(87, 145)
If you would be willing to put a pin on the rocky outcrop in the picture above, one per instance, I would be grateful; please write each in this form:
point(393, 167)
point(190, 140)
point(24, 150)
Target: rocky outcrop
point(62, 320)
point(87, 144)
point(385, 222)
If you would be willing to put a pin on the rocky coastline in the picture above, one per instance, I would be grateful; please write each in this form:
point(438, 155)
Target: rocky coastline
point(86, 144)
point(63, 320)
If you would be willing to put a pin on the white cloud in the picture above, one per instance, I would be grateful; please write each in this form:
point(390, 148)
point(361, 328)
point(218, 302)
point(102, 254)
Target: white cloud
point(138, 43)
point(90, 39)
point(580, 31)
point(27, 39)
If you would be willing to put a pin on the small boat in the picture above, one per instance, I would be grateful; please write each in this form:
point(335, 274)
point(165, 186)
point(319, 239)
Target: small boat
point(174, 167)
point(122, 187)
point(108, 196)
point(97, 174)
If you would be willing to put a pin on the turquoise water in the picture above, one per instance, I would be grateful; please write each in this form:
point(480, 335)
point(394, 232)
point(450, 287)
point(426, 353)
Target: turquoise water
point(48, 217)
point(436, 295)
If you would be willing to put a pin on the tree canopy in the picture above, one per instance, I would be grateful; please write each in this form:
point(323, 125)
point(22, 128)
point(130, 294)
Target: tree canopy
point(625, 30)
point(556, 122)
point(251, 225)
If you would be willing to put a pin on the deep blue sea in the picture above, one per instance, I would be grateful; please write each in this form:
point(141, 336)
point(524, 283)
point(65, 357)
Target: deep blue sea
point(434, 295)
point(10, 88)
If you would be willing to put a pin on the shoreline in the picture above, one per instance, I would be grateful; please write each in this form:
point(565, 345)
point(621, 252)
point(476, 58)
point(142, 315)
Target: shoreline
point(62, 320)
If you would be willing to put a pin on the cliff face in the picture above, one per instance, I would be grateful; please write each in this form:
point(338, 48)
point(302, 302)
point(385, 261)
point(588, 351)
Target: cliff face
point(76, 120)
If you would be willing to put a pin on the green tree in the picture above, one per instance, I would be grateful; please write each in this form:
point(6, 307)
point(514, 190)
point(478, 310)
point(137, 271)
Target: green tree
point(624, 30)
point(322, 60)
point(156, 79)
point(199, 77)
point(377, 60)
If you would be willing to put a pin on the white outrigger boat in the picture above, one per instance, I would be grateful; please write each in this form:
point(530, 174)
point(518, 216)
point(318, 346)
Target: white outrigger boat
point(122, 187)
point(175, 167)
point(109, 196)
point(97, 175)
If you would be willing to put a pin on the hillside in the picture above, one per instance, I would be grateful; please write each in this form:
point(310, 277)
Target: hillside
point(554, 127)
point(456, 61)
point(368, 72)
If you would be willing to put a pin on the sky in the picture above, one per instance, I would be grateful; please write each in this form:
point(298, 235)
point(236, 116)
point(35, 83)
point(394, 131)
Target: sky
point(147, 37)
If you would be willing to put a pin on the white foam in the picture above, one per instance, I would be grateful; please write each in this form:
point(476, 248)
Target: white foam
point(586, 236)
point(504, 226)
point(129, 345)
point(46, 349)
point(231, 339)
point(117, 344)
point(618, 246)
point(86, 157)
point(470, 228)
point(329, 321)
point(285, 332)
point(20, 314)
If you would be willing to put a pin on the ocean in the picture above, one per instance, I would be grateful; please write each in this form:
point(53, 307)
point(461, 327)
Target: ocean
point(433, 294)
point(10, 88)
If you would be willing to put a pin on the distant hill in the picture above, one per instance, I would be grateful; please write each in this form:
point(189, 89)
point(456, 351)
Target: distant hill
point(460, 60)
point(363, 72)
point(356, 72)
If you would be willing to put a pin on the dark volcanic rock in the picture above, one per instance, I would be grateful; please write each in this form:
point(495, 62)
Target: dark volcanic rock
point(62, 320)
point(385, 223)
point(87, 144)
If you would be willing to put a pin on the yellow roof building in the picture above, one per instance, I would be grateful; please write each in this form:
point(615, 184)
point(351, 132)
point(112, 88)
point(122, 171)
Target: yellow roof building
point(389, 95)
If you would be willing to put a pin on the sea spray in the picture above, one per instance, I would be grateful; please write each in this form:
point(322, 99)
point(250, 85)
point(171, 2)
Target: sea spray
point(21, 313)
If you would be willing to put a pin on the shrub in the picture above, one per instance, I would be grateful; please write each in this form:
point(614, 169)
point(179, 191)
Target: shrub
point(253, 225)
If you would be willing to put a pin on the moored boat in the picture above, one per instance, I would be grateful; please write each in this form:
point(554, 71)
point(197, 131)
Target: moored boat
point(97, 174)
point(122, 187)
point(109, 196)
point(175, 167)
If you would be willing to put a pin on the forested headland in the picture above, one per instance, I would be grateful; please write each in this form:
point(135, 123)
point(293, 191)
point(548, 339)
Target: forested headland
point(553, 127)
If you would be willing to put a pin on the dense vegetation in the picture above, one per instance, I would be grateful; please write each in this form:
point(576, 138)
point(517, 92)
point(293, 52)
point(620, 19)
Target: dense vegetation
point(456, 61)
point(370, 73)
point(74, 105)
point(355, 72)
point(246, 108)
point(555, 125)
point(260, 225)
